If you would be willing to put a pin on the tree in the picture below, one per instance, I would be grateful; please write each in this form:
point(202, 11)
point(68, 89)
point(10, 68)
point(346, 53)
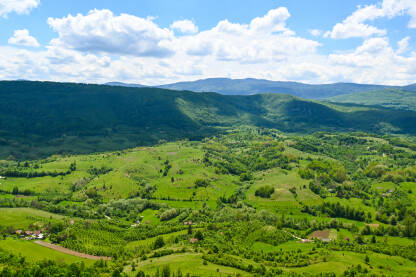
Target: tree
point(15, 191)
point(116, 273)
point(73, 166)
point(264, 191)
point(367, 259)
point(199, 235)
point(159, 242)
point(166, 271)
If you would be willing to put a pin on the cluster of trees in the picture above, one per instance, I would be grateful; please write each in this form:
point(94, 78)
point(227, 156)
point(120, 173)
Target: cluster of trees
point(94, 171)
point(127, 208)
point(239, 156)
point(264, 191)
point(337, 210)
point(16, 266)
point(32, 174)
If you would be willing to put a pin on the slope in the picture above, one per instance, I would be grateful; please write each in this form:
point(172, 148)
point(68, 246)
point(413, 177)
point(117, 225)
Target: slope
point(391, 98)
point(42, 118)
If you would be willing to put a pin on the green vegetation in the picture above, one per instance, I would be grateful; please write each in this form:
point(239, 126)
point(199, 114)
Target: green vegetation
point(391, 98)
point(242, 203)
point(40, 119)
point(162, 183)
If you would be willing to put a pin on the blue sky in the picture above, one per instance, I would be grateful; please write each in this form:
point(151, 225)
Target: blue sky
point(317, 41)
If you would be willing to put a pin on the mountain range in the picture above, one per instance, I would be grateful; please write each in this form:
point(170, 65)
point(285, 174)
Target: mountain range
point(252, 86)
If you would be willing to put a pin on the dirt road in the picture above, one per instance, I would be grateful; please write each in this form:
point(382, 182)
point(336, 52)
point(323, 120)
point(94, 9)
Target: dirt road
point(71, 252)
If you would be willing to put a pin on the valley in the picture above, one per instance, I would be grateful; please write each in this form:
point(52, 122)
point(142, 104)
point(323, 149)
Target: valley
point(248, 202)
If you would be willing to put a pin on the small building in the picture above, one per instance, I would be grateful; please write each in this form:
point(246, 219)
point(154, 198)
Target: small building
point(28, 233)
point(19, 232)
point(193, 240)
point(306, 241)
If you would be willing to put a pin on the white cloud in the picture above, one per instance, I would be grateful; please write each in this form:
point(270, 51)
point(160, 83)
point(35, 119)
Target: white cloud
point(105, 47)
point(23, 38)
point(356, 24)
point(368, 63)
point(403, 45)
point(184, 26)
point(315, 32)
point(102, 31)
point(273, 21)
point(17, 6)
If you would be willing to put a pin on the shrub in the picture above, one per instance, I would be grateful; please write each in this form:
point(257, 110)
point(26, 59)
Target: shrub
point(201, 183)
point(264, 191)
point(159, 243)
point(169, 214)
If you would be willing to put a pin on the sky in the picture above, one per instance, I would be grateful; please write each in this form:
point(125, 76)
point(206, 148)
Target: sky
point(163, 41)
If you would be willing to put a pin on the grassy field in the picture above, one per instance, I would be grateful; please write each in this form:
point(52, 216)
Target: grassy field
point(23, 217)
point(33, 252)
point(188, 263)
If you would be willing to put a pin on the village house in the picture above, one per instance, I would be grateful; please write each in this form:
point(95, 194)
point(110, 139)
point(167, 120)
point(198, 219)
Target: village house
point(193, 240)
point(30, 235)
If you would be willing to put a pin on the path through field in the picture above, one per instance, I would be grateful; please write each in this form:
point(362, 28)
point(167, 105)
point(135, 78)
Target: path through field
point(71, 252)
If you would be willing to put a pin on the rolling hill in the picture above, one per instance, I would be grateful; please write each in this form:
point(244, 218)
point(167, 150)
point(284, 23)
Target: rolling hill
point(251, 86)
point(391, 98)
point(42, 118)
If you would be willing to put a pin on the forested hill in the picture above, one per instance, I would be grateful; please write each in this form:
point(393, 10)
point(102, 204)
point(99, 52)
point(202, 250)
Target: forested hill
point(257, 86)
point(391, 98)
point(252, 86)
point(42, 118)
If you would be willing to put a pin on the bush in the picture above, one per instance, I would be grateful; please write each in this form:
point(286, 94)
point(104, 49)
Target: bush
point(201, 183)
point(265, 191)
point(169, 214)
point(159, 243)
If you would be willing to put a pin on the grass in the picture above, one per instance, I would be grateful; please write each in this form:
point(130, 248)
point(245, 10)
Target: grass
point(188, 263)
point(338, 262)
point(282, 199)
point(33, 252)
point(23, 217)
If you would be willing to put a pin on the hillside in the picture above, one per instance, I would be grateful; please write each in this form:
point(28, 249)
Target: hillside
point(252, 202)
point(391, 98)
point(43, 118)
point(257, 86)
point(251, 86)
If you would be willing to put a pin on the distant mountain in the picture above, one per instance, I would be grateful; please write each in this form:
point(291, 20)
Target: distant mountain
point(410, 88)
point(391, 98)
point(258, 86)
point(42, 118)
point(227, 86)
point(119, 84)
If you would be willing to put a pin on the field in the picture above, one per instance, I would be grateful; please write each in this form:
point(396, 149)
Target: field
point(251, 202)
point(34, 252)
point(21, 218)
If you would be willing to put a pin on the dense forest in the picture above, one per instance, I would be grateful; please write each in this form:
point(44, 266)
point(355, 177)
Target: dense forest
point(38, 119)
